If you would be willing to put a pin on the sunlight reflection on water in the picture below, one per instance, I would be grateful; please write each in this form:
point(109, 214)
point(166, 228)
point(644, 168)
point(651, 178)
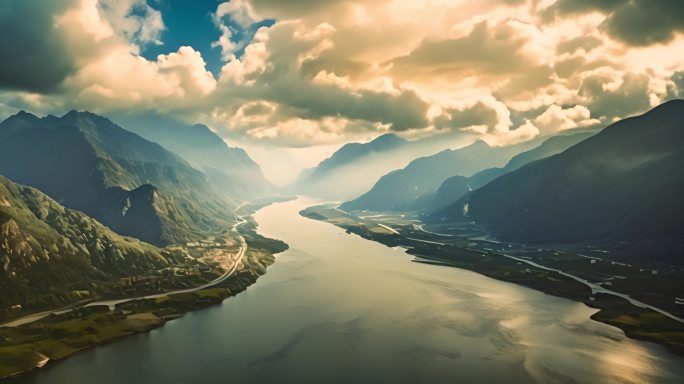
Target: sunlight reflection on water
point(338, 308)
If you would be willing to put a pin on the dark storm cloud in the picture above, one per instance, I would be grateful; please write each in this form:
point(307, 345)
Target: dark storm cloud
point(33, 56)
point(635, 22)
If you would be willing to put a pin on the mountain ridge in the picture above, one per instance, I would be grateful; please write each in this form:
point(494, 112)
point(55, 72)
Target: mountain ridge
point(64, 249)
point(622, 184)
point(88, 163)
point(329, 177)
point(413, 187)
point(453, 188)
point(230, 169)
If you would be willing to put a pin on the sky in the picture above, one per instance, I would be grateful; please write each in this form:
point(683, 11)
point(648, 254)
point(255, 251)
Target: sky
point(298, 78)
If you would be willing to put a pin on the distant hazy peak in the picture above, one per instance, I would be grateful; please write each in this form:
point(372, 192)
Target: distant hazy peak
point(380, 143)
point(388, 138)
point(479, 143)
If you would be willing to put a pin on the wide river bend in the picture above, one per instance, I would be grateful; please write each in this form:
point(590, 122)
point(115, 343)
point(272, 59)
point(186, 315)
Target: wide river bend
point(338, 308)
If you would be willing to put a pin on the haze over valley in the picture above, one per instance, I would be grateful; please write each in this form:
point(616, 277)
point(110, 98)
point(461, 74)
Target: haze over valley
point(345, 191)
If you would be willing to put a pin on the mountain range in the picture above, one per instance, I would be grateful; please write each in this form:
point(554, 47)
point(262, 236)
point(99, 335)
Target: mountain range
point(88, 183)
point(414, 186)
point(453, 188)
point(134, 186)
point(338, 174)
point(50, 254)
point(623, 184)
point(354, 168)
point(229, 169)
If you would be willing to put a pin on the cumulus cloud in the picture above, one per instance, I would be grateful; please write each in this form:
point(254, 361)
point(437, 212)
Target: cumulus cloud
point(611, 97)
point(295, 9)
point(134, 19)
point(102, 41)
point(587, 43)
point(151, 27)
point(332, 71)
point(557, 118)
point(478, 115)
point(272, 71)
point(484, 51)
point(678, 84)
point(229, 16)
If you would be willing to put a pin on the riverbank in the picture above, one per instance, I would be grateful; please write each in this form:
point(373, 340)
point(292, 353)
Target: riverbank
point(481, 257)
point(57, 336)
point(338, 308)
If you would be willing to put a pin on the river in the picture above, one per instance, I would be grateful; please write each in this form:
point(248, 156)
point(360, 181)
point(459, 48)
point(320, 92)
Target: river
point(339, 308)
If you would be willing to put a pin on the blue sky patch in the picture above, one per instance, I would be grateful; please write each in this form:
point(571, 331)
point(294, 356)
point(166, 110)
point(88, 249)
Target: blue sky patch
point(190, 22)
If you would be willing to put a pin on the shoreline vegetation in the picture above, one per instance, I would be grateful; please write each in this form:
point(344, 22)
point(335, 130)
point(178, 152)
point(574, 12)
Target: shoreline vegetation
point(488, 258)
point(25, 347)
point(60, 334)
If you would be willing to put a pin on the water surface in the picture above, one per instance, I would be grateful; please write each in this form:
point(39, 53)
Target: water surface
point(338, 308)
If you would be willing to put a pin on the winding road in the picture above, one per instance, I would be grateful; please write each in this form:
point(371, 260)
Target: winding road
point(595, 288)
point(226, 275)
point(112, 303)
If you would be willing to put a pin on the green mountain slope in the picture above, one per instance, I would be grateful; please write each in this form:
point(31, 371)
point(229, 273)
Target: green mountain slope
point(135, 187)
point(50, 255)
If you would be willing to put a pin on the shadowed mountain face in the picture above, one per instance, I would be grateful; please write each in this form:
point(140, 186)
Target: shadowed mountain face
point(135, 187)
point(64, 250)
point(413, 187)
point(625, 183)
point(454, 188)
point(230, 169)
